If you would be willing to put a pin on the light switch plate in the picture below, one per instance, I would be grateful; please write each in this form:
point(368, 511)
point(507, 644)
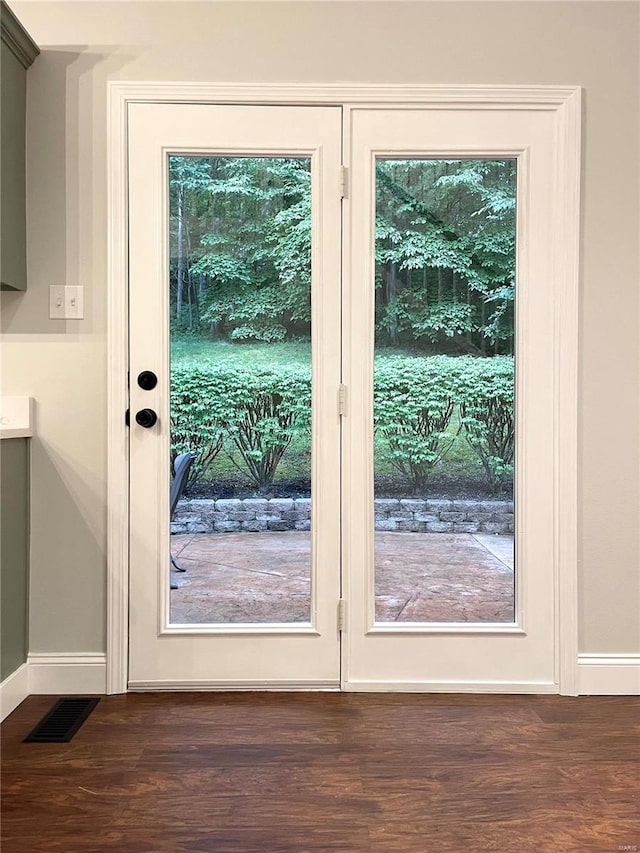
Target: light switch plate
point(56, 301)
point(66, 302)
point(74, 302)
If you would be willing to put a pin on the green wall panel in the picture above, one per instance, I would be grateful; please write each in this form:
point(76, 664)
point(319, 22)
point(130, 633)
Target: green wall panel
point(14, 553)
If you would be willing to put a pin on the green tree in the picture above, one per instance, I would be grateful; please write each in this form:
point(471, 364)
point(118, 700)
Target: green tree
point(445, 250)
point(445, 253)
point(189, 178)
point(251, 252)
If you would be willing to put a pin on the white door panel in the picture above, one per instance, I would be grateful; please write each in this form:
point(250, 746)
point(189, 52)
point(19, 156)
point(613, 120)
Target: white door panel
point(429, 655)
point(285, 653)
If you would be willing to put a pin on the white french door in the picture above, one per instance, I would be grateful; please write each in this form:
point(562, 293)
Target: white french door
point(169, 648)
point(436, 649)
point(373, 601)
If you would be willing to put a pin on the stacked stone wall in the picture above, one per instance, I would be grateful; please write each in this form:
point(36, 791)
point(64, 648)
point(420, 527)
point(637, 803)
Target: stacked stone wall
point(412, 515)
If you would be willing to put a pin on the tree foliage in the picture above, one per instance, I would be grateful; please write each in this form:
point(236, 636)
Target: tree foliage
point(445, 254)
point(444, 246)
point(245, 245)
point(240, 271)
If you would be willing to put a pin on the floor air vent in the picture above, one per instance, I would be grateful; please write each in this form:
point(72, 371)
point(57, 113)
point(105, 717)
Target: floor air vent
point(62, 721)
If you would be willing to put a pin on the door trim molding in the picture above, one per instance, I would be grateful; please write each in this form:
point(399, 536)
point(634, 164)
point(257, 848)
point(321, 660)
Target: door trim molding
point(567, 257)
point(339, 94)
point(117, 393)
point(566, 102)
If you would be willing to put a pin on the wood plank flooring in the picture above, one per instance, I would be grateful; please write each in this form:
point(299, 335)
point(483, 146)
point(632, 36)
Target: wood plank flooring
point(298, 772)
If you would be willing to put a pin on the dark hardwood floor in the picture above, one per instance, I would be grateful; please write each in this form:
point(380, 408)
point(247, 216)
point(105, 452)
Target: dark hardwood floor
point(289, 773)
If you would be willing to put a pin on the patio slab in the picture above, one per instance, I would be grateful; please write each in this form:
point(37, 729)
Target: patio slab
point(420, 577)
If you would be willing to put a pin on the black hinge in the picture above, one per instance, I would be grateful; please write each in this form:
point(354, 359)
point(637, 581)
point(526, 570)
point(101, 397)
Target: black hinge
point(126, 417)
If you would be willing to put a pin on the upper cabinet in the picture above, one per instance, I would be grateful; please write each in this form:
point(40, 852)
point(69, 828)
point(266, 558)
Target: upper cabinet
point(18, 53)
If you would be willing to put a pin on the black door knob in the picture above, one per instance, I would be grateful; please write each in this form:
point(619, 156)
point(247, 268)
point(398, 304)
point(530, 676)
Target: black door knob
point(146, 418)
point(147, 380)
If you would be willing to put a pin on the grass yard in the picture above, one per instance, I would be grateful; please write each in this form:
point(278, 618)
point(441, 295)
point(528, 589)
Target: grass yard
point(195, 350)
point(185, 350)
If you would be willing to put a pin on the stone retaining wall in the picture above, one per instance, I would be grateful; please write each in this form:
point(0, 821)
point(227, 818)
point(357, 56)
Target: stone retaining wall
point(409, 515)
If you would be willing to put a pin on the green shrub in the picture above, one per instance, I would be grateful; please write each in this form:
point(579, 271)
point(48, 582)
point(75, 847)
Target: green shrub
point(265, 333)
point(196, 416)
point(414, 400)
point(421, 406)
point(258, 411)
point(264, 408)
point(487, 412)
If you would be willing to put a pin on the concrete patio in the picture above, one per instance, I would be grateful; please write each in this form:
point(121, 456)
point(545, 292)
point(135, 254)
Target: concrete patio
point(420, 577)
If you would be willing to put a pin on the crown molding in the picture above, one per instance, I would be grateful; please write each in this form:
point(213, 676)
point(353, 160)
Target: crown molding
point(17, 38)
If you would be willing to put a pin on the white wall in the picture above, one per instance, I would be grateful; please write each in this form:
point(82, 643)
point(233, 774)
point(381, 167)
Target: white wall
point(64, 366)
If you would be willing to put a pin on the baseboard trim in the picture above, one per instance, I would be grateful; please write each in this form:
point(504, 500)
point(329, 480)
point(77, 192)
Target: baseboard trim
point(13, 690)
point(598, 675)
point(609, 675)
point(53, 674)
point(67, 673)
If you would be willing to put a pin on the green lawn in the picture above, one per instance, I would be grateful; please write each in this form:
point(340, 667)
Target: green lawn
point(185, 350)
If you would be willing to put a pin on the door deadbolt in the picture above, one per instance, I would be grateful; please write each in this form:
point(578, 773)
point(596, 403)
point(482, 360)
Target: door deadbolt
point(147, 380)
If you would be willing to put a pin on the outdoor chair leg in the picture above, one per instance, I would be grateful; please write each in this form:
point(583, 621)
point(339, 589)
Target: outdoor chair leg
point(176, 566)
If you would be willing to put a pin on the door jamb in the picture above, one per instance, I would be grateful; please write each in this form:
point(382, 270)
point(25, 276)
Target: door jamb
point(566, 101)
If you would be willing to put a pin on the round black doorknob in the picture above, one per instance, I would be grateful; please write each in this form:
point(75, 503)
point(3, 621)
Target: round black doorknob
point(147, 380)
point(146, 418)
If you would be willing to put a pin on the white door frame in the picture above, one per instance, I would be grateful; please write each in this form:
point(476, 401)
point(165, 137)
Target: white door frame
point(566, 103)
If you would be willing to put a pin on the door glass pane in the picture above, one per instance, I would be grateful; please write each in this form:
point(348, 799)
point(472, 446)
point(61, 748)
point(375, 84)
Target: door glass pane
point(444, 390)
point(240, 308)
